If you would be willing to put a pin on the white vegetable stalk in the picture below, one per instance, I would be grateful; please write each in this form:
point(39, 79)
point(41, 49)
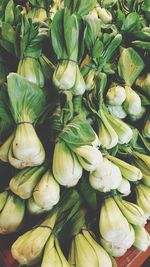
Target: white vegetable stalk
point(105, 177)
point(89, 156)
point(112, 248)
point(96, 142)
point(4, 149)
point(103, 257)
point(124, 188)
point(132, 104)
point(66, 167)
point(68, 79)
point(79, 86)
point(143, 198)
point(107, 135)
point(12, 214)
point(117, 111)
point(47, 192)
point(28, 248)
point(89, 80)
point(23, 183)
point(142, 238)
point(122, 130)
point(26, 149)
point(133, 213)
point(139, 115)
point(113, 226)
point(143, 163)
point(30, 69)
point(104, 15)
point(128, 171)
point(118, 250)
point(116, 96)
point(85, 251)
point(53, 255)
point(34, 209)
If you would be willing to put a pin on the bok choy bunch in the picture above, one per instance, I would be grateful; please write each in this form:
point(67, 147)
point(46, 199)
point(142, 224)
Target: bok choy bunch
point(65, 41)
point(33, 65)
point(117, 233)
point(23, 148)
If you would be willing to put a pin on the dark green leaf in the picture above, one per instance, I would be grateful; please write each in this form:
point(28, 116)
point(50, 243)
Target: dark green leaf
point(57, 34)
point(27, 100)
point(130, 65)
point(78, 132)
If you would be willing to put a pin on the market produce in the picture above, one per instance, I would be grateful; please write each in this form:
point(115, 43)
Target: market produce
point(117, 233)
point(74, 130)
point(124, 187)
point(53, 254)
point(66, 175)
point(85, 250)
point(133, 213)
point(12, 214)
point(28, 248)
point(24, 182)
point(143, 163)
point(47, 192)
point(129, 172)
point(105, 177)
point(142, 238)
point(142, 198)
point(23, 148)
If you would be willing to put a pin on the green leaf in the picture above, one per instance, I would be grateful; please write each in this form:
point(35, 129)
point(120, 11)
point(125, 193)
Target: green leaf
point(143, 34)
point(84, 6)
point(5, 113)
point(92, 32)
point(130, 65)
point(71, 35)
point(131, 22)
point(141, 44)
point(97, 49)
point(145, 142)
point(88, 194)
point(27, 100)
point(8, 33)
point(57, 34)
point(9, 12)
point(78, 132)
point(111, 49)
point(9, 47)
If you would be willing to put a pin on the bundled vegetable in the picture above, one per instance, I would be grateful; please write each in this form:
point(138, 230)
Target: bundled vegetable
point(67, 75)
point(53, 254)
point(105, 177)
point(33, 65)
point(23, 148)
point(11, 214)
point(29, 247)
point(74, 112)
point(85, 250)
point(24, 182)
point(117, 234)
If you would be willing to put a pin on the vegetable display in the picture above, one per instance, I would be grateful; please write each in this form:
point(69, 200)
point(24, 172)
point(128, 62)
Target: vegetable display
point(74, 130)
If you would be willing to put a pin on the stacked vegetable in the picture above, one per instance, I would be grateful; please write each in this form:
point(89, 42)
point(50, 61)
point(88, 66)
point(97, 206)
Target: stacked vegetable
point(74, 130)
